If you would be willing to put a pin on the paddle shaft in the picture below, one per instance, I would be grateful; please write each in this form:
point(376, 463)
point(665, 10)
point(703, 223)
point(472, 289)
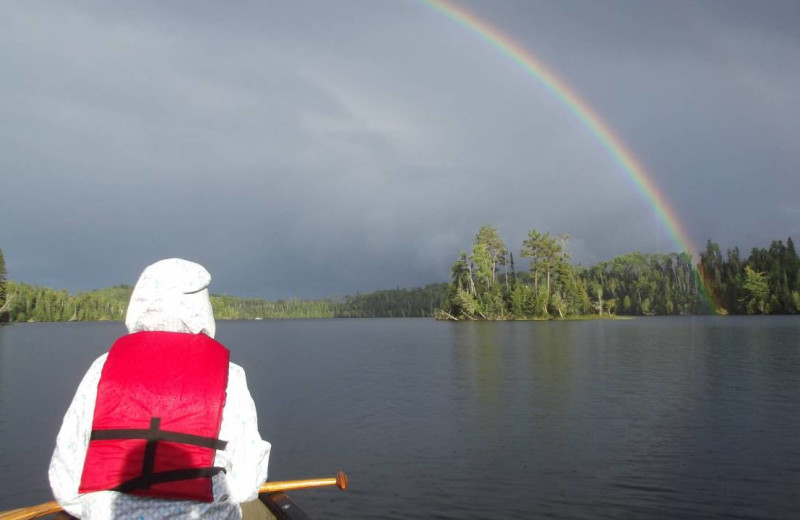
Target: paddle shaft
point(340, 481)
point(26, 513)
point(48, 508)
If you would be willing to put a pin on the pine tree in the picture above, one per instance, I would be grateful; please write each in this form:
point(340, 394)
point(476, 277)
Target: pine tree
point(792, 265)
point(3, 283)
point(512, 272)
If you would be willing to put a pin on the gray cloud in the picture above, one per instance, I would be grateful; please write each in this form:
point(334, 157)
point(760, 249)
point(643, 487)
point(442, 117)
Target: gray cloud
point(318, 148)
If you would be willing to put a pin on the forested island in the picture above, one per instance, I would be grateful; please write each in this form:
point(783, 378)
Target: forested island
point(485, 284)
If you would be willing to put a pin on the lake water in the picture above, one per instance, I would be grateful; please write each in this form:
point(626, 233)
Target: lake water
point(695, 417)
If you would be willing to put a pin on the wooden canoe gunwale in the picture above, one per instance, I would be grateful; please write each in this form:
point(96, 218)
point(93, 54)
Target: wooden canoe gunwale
point(283, 507)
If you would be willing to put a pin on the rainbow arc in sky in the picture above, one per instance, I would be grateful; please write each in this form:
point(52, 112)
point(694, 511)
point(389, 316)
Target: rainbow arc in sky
point(616, 148)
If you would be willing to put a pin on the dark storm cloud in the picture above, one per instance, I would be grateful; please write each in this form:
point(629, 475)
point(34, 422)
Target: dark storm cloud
point(318, 148)
point(703, 93)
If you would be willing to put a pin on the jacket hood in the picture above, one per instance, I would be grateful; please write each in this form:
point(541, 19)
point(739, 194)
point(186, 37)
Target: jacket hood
point(172, 296)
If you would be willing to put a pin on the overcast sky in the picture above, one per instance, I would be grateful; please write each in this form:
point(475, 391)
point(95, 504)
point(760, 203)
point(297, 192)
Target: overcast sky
point(318, 148)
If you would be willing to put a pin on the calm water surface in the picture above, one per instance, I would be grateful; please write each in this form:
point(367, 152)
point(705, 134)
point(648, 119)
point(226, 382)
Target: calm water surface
point(648, 418)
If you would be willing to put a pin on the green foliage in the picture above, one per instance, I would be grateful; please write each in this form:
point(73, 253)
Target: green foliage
point(466, 304)
point(396, 303)
point(768, 285)
point(460, 273)
point(532, 248)
point(572, 290)
point(3, 286)
point(494, 303)
point(521, 300)
point(538, 305)
point(32, 303)
point(233, 308)
point(475, 294)
point(756, 290)
point(546, 253)
point(492, 246)
point(633, 284)
point(482, 261)
point(595, 290)
point(485, 285)
point(639, 284)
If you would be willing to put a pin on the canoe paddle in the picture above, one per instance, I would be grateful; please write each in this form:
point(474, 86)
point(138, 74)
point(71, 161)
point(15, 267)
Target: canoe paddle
point(48, 508)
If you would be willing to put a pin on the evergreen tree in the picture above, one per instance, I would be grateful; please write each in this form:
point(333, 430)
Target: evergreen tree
point(732, 272)
point(3, 293)
point(791, 269)
point(512, 273)
point(533, 248)
point(711, 272)
point(546, 254)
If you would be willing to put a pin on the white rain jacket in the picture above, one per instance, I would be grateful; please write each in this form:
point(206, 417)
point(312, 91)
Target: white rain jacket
point(172, 296)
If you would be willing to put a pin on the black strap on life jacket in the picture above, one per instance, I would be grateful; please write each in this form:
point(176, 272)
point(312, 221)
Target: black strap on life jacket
point(153, 435)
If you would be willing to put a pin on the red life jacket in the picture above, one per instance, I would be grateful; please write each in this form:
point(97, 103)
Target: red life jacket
point(157, 417)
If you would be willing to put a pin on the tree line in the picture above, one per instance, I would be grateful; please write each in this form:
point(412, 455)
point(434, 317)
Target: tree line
point(485, 283)
point(21, 302)
point(766, 282)
point(395, 303)
point(34, 303)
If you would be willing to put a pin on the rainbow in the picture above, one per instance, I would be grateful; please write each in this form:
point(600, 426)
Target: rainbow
point(615, 147)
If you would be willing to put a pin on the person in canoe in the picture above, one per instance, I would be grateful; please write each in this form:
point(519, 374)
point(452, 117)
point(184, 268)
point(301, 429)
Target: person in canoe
point(163, 425)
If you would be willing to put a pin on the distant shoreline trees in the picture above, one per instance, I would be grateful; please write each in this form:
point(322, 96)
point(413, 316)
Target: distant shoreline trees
point(484, 285)
point(29, 303)
point(767, 282)
point(3, 284)
point(635, 284)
